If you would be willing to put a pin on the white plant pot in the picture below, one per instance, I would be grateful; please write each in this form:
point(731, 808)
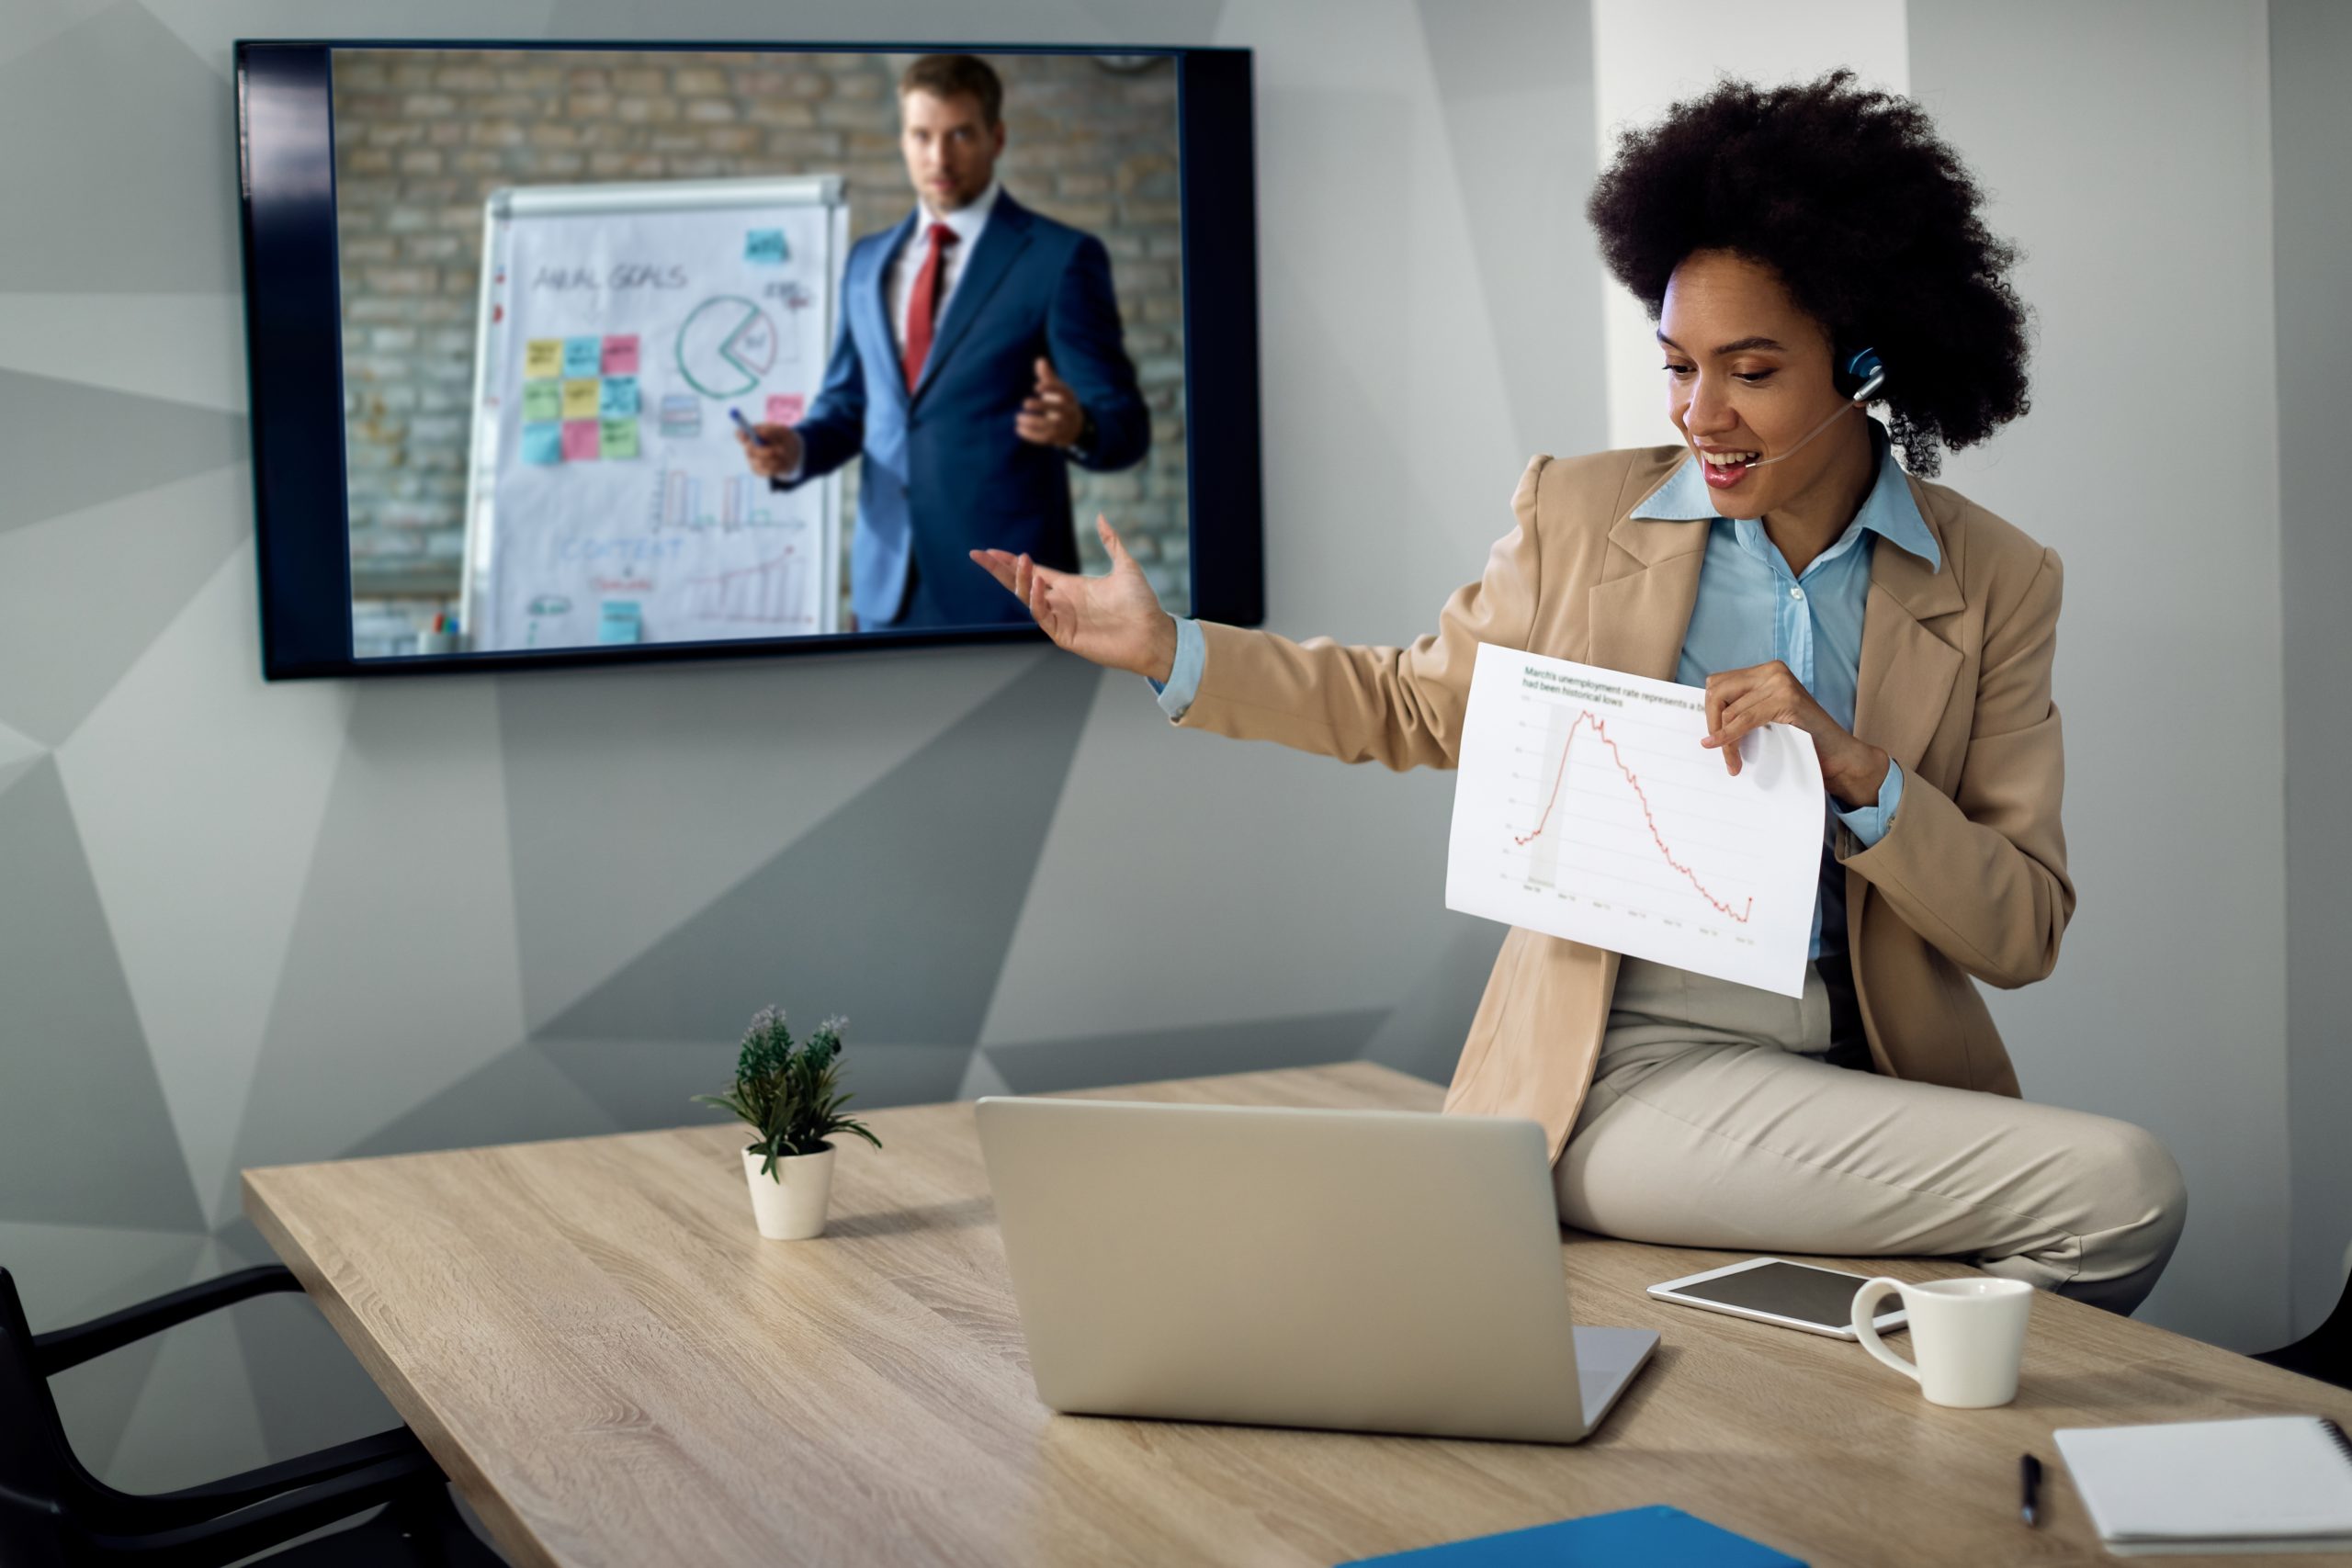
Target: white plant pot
point(794, 1208)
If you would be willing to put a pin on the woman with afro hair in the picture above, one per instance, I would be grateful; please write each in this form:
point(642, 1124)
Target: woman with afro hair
point(1807, 250)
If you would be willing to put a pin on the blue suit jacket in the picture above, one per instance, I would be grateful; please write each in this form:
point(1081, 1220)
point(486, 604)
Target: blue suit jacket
point(943, 472)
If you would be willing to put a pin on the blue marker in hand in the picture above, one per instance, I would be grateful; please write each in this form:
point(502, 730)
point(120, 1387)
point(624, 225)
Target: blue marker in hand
point(745, 425)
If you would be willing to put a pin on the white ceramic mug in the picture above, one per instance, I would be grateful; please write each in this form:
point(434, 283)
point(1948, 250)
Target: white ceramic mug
point(1968, 1334)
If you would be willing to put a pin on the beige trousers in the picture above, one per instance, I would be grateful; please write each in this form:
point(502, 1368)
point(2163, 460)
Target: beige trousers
point(1717, 1119)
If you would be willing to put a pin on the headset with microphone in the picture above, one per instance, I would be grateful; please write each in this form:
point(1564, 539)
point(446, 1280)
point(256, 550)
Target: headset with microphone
point(1864, 363)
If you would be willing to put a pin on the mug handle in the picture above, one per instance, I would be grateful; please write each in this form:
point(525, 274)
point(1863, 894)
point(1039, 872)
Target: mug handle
point(1866, 1301)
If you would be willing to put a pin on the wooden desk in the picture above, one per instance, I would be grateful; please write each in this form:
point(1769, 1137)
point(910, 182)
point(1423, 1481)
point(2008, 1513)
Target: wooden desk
point(602, 1352)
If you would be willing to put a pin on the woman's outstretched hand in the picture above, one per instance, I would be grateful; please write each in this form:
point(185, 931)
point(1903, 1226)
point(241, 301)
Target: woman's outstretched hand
point(1114, 620)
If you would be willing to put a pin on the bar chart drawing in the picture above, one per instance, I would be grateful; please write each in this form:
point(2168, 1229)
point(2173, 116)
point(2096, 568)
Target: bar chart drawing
point(690, 501)
point(1586, 808)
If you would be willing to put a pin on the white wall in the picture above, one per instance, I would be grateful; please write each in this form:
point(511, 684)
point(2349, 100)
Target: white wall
point(2127, 146)
point(1649, 57)
point(2311, 44)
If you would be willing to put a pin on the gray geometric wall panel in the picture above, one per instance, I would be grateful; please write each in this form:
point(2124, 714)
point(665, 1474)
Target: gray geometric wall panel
point(307, 1389)
point(133, 189)
point(616, 844)
point(1307, 885)
point(895, 910)
point(201, 849)
point(182, 348)
point(649, 1083)
point(400, 978)
point(65, 446)
point(100, 1149)
point(97, 1399)
point(1007, 21)
point(1146, 1055)
point(516, 1096)
point(1423, 1033)
point(33, 23)
point(71, 1274)
point(209, 26)
point(12, 768)
point(1522, 75)
point(82, 596)
point(200, 1366)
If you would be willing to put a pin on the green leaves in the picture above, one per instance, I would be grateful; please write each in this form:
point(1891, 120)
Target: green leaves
point(787, 1092)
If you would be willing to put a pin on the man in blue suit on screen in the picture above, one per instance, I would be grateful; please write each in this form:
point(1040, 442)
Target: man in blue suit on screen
point(979, 354)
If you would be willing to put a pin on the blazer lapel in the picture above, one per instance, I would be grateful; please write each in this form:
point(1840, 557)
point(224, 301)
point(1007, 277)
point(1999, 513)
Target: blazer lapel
point(1639, 613)
point(1003, 238)
point(874, 299)
point(1907, 671)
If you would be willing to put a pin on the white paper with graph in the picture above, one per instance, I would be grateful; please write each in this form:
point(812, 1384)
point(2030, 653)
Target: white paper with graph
point(1584, 807)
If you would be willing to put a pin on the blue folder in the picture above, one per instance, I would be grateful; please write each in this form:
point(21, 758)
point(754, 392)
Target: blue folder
point(1654, 1536)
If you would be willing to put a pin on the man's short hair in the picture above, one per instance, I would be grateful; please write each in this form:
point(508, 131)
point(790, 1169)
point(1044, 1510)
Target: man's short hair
point(957, 76)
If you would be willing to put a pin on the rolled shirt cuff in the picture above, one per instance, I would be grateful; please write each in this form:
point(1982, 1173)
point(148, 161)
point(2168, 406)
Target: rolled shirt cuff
point(1870, 823)
point(1183, 681)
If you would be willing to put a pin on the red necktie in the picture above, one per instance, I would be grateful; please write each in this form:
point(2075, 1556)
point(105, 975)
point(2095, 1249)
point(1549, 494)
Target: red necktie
point(925, 304)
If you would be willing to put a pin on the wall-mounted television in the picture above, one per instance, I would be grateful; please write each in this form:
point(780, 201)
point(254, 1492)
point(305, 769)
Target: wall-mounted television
point(576, 352)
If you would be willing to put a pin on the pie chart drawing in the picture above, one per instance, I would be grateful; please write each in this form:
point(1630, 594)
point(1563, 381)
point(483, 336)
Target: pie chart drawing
point(726, 346)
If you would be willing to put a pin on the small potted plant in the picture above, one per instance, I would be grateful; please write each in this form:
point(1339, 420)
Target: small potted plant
point(785, 1092)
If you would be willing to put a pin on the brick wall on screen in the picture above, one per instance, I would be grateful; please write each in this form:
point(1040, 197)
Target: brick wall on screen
point(421, 139)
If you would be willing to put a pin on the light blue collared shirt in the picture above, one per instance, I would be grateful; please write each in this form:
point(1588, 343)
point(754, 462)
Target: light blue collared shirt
point(1751, 610)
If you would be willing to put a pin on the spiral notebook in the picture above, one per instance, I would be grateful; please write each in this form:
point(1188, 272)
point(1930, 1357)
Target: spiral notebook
point(2261, 1483)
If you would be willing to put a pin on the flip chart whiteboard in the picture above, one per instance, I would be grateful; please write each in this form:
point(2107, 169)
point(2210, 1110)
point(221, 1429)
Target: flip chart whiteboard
point(606, 497)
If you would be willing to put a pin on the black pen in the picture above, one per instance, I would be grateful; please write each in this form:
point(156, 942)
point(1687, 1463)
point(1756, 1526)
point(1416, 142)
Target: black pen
point(2029, 1477)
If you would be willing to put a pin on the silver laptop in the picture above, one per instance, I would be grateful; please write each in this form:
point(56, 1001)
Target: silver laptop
point(1368, 1270)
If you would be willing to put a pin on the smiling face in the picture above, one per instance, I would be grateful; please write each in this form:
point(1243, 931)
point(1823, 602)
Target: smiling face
point(951, 148)
point(1747, 371)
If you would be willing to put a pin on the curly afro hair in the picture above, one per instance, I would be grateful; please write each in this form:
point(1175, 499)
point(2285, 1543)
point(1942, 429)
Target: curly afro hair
point(1869, 219)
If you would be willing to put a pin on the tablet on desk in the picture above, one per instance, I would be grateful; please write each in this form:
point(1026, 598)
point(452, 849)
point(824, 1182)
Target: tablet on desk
point(1773, 1290)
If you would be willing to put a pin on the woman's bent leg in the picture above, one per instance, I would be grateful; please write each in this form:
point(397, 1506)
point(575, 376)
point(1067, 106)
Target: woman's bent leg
point(1719, 1142)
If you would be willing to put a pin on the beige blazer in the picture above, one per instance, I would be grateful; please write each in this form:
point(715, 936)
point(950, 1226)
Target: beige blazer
point(1954, 683)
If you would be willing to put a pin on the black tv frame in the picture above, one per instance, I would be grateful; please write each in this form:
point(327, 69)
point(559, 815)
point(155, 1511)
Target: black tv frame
point(294, 356)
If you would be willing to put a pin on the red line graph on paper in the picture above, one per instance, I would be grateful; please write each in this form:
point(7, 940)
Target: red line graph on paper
point(1599, 727)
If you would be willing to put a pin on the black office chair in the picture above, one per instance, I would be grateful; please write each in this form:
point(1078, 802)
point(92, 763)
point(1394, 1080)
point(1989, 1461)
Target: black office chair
point(2325, 1352)
point(55, 1514)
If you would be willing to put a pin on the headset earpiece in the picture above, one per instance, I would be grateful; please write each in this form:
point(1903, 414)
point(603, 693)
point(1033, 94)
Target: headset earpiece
point(1867, 364)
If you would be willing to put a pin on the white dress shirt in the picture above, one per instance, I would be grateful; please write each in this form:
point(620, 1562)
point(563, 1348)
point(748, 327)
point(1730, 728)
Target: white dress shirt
point(966, 222)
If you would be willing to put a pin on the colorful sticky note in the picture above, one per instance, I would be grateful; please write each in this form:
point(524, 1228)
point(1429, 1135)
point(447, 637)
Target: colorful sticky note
point(620, 438)
point(620, 620)
point(542, 443)
point(579, 440)
point(582, 355)
point(619, 398)
point(583, 399)
point(542, 399)
point(543, 356)
point(620, 354)
point(766, 246)
point(785, 408)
